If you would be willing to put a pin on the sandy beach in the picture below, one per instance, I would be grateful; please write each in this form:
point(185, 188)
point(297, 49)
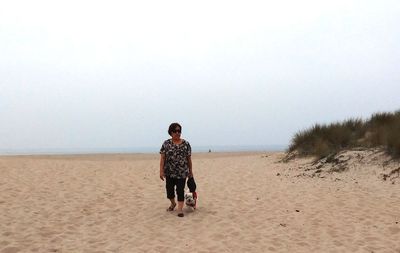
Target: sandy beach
point(248, 202)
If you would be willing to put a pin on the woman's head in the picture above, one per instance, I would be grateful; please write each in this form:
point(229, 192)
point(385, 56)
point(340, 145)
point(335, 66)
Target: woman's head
point(174, 128)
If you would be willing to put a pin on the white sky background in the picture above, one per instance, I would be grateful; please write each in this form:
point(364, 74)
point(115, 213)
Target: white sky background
point(115, 74)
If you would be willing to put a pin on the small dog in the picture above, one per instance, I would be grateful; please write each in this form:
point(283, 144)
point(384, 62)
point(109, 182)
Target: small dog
point(191, 199)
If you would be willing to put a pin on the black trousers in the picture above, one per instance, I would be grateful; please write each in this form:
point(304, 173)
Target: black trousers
point(180, 187)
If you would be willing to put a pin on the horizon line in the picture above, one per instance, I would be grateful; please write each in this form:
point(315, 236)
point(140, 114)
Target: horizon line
point(140, 150)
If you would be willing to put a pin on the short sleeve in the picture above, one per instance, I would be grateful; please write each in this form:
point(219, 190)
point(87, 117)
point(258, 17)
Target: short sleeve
point(162, 149)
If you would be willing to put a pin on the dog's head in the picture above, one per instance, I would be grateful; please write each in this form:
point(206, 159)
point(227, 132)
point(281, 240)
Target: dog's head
point(189, 200)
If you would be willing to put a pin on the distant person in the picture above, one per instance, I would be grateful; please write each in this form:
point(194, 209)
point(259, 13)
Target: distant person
point(175, 166)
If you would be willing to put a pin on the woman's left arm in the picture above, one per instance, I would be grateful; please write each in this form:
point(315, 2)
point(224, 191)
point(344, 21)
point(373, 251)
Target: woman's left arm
point(190, 166)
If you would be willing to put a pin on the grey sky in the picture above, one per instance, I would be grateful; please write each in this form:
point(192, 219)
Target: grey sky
point(115, 74)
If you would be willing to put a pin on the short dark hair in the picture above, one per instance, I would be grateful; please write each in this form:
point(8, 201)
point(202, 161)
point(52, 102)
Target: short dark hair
point(172, 127)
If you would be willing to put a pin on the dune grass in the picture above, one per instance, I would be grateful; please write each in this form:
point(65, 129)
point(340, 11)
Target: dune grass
point(380, 130)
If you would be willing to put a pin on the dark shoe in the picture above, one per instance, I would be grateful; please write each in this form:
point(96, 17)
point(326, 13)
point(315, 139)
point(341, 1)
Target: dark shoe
point(181, 215)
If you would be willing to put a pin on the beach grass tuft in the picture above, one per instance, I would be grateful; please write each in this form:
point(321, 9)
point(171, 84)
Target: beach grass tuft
point(322, 140)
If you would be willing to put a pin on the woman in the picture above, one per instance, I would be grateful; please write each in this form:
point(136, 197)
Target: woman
point(175, 166)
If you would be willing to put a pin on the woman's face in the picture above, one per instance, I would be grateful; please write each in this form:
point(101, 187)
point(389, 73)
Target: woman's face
point(176, 133)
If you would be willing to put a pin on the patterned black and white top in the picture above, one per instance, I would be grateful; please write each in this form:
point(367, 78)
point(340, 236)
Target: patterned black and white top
point(176, 158)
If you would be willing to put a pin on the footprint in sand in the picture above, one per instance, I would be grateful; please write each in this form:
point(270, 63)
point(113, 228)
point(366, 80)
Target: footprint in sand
point(394, 230)
point(10, 250)
point(4, 243)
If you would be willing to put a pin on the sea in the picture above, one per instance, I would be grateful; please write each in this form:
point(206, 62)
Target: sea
point(144, 150)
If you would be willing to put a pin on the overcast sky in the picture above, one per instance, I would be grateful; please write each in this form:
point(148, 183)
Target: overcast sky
point(115, 74)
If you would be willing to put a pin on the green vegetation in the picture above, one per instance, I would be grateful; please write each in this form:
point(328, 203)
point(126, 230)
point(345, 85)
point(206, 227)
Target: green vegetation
point(381, 130)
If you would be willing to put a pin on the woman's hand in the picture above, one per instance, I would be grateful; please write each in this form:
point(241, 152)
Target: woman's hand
point(162, 176)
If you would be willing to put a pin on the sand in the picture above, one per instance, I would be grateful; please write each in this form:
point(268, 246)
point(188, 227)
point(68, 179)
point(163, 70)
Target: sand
point(248, 202)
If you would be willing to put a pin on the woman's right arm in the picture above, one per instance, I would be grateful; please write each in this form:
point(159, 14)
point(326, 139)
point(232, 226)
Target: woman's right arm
point(162, 161)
